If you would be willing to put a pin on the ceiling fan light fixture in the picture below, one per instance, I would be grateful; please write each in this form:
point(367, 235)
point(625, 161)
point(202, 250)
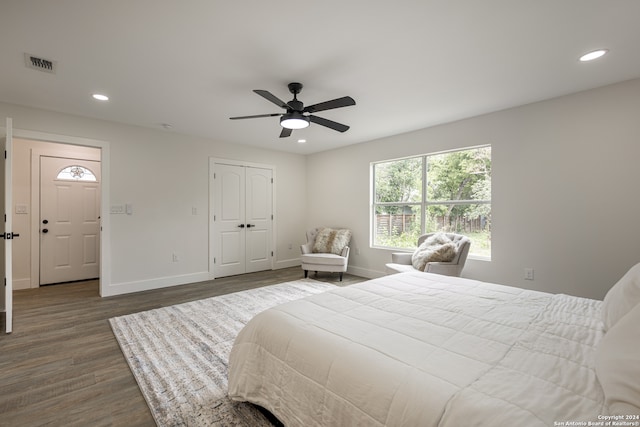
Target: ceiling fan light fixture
point(294, 120)
point(298, 116)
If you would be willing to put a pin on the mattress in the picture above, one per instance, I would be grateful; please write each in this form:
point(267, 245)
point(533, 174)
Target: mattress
point(418, 349)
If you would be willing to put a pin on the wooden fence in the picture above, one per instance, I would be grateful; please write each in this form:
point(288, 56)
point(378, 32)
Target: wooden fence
point(396, 224)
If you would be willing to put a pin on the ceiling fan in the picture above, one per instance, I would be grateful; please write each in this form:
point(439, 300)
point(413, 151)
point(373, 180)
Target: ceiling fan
point(297, 115)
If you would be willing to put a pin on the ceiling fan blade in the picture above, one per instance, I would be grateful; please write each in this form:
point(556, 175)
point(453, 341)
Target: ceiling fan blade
point(329, 123)
point(271, 97)
point(345, 101)
point(255, 117)
point(285, 132)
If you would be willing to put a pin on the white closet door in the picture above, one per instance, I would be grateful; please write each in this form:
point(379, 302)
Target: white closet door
point(258, 219)
point(229, 213)
point(242, 219)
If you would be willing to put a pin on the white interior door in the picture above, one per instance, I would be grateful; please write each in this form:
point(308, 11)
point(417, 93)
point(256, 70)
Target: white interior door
point(229, 213)
point(6, 296)
point(258, 219)
point(242, 219)
point(69, 220)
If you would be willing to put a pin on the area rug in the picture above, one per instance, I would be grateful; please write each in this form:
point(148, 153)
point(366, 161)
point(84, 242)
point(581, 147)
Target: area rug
point(179, 354)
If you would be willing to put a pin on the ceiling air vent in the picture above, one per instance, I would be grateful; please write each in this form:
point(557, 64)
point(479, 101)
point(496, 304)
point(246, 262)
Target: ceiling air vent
point(40, 64)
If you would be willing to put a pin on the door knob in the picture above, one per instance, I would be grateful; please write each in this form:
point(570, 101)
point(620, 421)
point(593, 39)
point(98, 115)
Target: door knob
point(250, 225)
point(45, 221)
point(241, 226)
point(45, 230)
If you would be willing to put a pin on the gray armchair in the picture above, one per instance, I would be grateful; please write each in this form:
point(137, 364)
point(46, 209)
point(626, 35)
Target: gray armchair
point(401, 261)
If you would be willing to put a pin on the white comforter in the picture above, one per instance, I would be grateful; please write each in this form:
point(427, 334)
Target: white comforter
point(415, 349)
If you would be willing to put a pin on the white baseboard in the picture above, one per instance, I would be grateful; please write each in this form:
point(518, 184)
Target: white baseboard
point(357, 271)
point(286, 263)
point(21, 284)
point(365, 272)
point(162, 282)
point(165, 282)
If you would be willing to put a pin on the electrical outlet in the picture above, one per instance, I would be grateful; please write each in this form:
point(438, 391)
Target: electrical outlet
point(528, 274)
point(290, 246)
point(175, 257)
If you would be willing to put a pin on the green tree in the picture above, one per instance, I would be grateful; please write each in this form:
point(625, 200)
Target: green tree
point(460, 176)
point(452, 176)
point(399, 182)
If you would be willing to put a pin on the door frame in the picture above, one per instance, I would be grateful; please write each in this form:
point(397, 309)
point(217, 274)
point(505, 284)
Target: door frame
point(7, 243)
point(105, 226)
point(212, 170)
point(36, 156)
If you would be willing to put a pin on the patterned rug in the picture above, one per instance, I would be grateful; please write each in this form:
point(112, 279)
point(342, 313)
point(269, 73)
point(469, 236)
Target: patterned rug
point(179, 354)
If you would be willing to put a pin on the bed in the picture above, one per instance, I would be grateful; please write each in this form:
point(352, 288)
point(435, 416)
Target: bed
point(419, 349)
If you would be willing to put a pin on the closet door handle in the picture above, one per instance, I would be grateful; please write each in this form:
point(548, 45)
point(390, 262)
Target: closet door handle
point(250, 225)
point(241, 226)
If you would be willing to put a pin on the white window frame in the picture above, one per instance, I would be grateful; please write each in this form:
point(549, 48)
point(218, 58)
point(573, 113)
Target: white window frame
point(423, 204)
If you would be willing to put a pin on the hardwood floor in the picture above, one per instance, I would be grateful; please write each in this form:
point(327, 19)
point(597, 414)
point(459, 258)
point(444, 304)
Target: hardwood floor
point(62, 366)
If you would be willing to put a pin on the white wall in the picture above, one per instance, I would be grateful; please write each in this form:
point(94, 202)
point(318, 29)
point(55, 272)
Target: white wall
point(565, 189)
point(164, 175)
point(564, 192)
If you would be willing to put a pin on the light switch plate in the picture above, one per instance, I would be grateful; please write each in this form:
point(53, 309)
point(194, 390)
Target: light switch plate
point(117, 209)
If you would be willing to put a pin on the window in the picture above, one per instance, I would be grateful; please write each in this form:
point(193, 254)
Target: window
point(436, 192)
point(76, 173)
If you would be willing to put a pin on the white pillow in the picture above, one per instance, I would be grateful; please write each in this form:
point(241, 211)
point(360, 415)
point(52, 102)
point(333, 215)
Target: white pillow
point(618, 365)
point(622, 297)
point(437, 248)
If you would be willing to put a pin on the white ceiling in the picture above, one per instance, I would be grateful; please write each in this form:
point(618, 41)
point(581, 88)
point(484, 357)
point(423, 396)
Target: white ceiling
point(409, 64)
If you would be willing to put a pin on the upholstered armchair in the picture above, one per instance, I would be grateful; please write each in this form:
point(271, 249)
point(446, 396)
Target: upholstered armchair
point(402, 261)
point(326, 249)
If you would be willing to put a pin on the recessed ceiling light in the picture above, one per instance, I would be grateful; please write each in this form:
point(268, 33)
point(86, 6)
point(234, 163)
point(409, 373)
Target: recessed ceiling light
point(594, 54)
point(302, 141)
point(100, 97)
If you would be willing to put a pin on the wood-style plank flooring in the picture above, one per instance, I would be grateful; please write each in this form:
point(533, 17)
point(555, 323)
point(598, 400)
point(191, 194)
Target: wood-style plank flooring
point(62, 366)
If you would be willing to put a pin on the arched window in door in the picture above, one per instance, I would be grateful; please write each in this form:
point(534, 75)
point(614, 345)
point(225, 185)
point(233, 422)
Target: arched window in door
point(76, 173)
